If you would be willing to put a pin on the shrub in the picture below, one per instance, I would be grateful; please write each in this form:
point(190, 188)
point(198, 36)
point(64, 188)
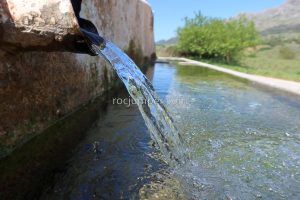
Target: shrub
point(287, 53)
point(274, 41)
point(297, 40)
point(216, 38)
point(252, 55)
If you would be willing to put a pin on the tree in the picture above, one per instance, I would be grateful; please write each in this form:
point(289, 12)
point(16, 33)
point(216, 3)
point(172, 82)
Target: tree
point(216, 38)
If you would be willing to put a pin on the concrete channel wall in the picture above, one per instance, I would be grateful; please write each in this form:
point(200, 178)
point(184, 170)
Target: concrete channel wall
point(49, 94)
point(41, 81)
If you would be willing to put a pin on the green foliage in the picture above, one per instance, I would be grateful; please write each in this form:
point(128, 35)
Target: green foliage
point(252, 55)
point(287, 53)
point(274, 41)
point(269, 63)
point(216, 38)
point(295, 40)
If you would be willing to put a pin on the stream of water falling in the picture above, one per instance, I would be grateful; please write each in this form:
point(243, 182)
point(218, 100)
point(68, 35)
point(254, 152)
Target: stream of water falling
point(157, 118)
point(195, 181)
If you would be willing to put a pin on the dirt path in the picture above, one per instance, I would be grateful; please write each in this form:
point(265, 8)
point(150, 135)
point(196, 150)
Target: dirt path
point(287, 86)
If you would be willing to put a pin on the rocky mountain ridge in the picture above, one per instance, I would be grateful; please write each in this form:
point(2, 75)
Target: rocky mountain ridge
point(282, 19)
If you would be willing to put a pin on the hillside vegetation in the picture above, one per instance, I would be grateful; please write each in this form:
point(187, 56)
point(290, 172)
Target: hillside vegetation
point(274, 53)
point(205, 37)
point(279, 62)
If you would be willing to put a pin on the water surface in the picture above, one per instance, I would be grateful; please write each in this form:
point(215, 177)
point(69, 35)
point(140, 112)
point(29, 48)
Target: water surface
point(243, 142)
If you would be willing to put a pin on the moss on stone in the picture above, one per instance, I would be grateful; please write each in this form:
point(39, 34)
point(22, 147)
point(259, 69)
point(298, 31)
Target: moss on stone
point(135, 52)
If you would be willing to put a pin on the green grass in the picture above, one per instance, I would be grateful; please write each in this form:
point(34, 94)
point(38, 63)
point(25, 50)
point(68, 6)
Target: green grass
point(268, 62)
point(264, 60)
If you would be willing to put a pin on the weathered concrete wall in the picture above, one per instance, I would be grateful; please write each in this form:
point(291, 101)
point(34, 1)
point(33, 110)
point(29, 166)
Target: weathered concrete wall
point(122, 21)
point(38, 88)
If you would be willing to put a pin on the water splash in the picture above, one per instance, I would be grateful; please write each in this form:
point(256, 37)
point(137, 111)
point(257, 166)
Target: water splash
point(156, 117)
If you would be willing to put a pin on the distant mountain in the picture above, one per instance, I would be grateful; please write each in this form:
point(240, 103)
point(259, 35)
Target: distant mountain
point(284, 19)
point(170, 41)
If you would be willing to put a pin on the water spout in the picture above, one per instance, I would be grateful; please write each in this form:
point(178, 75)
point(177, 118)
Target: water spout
point(157, 118)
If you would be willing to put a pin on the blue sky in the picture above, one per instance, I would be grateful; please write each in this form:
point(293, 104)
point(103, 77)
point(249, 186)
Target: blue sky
point(169, 14)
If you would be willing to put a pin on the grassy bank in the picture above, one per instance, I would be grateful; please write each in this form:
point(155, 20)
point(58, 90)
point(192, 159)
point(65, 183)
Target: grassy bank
point(281, 61)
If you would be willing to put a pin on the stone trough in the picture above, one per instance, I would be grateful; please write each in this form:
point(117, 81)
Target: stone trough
point(49, 83)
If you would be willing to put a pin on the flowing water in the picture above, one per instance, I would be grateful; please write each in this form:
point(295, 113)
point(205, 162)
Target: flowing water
point(157, 118)
point(236, 141)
